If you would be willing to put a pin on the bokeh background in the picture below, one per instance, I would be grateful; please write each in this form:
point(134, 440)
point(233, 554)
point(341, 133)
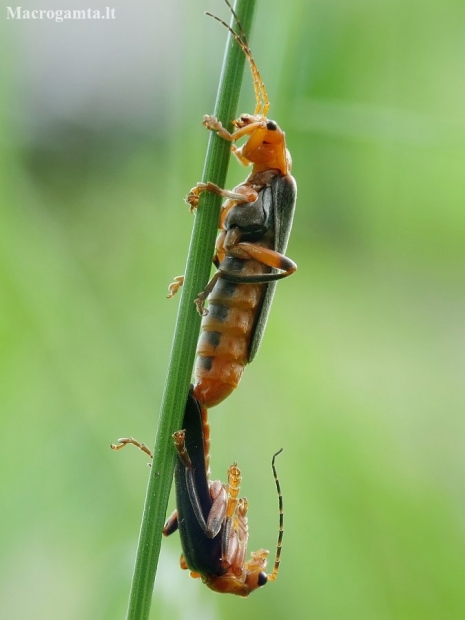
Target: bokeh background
point(360, 377)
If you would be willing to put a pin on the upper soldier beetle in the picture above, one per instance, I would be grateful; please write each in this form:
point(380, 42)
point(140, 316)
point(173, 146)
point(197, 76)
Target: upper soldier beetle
point(210, 516)
point(255, 224)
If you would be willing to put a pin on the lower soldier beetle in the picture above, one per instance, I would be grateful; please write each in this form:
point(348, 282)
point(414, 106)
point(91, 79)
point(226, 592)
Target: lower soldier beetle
point(211, 518)
point(255, 224)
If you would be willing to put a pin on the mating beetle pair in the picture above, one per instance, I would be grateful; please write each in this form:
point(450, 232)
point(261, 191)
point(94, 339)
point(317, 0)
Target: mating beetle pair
point(255, 224)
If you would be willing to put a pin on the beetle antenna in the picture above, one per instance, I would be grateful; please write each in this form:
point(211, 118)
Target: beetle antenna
point(279, 544)
point(261, 96)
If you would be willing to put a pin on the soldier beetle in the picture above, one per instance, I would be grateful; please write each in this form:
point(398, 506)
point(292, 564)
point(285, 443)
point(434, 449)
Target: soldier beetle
point(210, 516)
point(255, 224)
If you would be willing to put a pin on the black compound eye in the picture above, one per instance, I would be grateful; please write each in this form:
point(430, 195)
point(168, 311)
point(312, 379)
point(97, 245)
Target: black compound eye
point(271, 125)
point(262, 579)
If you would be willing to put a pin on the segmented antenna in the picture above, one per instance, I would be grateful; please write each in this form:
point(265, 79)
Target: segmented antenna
point(261, 97)
point(279, 545)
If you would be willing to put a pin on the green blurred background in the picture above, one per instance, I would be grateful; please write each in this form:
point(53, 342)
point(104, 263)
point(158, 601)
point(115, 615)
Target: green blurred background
point(361, 374)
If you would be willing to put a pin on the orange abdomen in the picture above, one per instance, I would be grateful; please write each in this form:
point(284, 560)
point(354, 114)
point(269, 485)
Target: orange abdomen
point(224, 343)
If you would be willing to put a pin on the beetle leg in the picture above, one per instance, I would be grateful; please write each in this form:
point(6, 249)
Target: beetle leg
point(243, 193)
point(200, 301)
point(234, 543)
point(215, 518)
point(183, 563)
point(212, 123)
point(179, 438)
point(218, 510)
point(171, 524)
point(180, 445)
point(238, 154)
point(124, 441)
point(175, 286)
point(193, 196)
point(267, 257)
point(225, 208)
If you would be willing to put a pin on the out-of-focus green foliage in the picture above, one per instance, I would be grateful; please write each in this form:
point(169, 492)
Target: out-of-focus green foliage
point(360, 376)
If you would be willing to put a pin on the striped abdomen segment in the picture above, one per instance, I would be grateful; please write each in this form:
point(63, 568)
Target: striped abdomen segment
point(223, 347)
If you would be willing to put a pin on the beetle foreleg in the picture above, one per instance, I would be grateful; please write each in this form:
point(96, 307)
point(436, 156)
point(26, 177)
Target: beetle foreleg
point(213, 124)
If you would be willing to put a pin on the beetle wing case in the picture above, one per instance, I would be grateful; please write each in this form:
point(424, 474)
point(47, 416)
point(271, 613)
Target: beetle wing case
point(280, 199)
point(202, 554)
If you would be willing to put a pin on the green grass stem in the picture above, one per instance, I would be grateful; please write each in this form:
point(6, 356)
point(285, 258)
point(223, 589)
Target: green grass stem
point(187, 328)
